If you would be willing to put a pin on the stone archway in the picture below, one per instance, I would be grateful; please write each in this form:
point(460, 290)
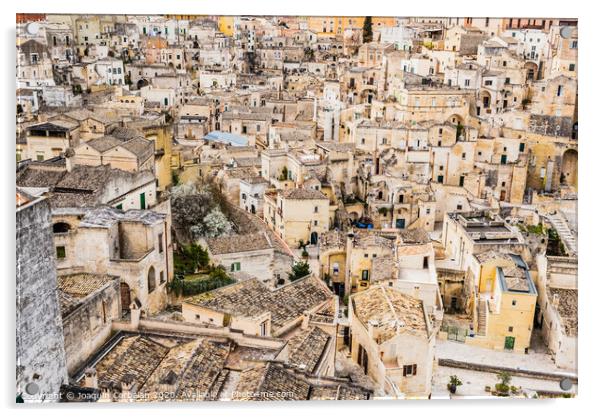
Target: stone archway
point(569, 167)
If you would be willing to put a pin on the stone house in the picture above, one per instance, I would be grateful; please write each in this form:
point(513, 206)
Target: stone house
point(89, 304)
point(134, 245)
point(393, 341)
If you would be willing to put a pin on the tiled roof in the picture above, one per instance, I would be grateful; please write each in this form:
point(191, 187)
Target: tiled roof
point(186, 371)
point(238, 243)
point(81, 285)
point(250, 298)
point(307, 348)
point(390, 311)
point(567, 308)
point(134, 357)
point(271, 382)
point(274, 381)
point(303, 194)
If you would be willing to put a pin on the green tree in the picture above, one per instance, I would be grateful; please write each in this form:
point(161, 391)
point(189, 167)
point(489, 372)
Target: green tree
point(300, 270)
point(367, 29)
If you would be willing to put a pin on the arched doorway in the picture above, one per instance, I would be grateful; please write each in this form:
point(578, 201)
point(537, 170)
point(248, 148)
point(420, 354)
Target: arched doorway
point(313, 238)
point(568, 170)
point(126, 299)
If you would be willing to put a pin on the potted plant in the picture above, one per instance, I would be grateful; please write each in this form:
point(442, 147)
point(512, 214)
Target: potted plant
point(503, 387)
point(454, 383)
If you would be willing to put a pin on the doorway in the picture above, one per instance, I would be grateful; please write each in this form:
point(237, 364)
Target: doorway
point(509, 343)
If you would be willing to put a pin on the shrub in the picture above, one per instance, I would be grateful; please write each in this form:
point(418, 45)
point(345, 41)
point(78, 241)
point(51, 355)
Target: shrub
point(299, 270)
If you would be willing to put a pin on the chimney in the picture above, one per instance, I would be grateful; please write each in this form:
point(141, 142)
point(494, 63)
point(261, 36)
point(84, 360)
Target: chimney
point(305, 322)
point(90, 378)
point(127, 387)
point(69, 154)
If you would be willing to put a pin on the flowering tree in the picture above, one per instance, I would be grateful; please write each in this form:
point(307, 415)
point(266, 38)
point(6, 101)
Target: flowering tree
point(216, 224)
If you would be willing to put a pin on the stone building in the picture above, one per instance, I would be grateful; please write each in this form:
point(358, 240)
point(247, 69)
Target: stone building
point(134, 245)
point(393, 341)
point(89, 304)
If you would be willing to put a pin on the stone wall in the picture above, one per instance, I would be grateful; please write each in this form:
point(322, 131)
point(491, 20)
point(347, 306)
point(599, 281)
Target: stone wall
point(39, 348)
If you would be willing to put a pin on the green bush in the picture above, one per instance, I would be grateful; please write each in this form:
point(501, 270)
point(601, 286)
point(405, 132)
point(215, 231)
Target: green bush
point(300, 269)
point(189, 287)
point(189, 259)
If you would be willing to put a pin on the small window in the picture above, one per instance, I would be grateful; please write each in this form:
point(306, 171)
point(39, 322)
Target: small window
point(459, 207)
point(513, 302)
point(235, 266)
point(510, 329)
point(409, 370)
point(60, 252)
point(315, 209)
point(571, 67)
point(160, 242)
point(161, 277)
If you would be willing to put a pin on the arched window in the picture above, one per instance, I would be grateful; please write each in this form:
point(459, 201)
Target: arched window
point(151, 279)
point(61, 227)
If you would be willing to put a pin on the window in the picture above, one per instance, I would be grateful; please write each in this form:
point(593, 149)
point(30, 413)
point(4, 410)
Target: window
point(513, 302)
point(263, 328)
point(365, 274)
point(235, 266)
point(40, 156)
point(463, 155)
point(60, 252)
point(409, 370)
point(466, 83)
point(559, 91)
point(510, 329)
point(315, 209)
point(160, 242)
point(488, 82)
point(425, 262)
point(574, 45)
point(459, 207)
point(335, 268)
point(161, 277)
point(315, 222)
point(521, 147)
point(151, 279)
point(571, 67)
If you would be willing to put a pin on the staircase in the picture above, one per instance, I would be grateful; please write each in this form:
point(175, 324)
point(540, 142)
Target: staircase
point(566, 235)
point(482, 317)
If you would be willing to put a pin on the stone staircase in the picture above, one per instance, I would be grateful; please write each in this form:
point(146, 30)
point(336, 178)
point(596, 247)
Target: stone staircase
point(566, 235)
point(482, 317)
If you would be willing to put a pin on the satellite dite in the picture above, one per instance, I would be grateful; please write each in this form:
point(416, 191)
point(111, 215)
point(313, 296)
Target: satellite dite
point(268, 208)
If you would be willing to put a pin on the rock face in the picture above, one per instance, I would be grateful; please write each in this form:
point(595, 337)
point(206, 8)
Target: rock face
point(40, 349)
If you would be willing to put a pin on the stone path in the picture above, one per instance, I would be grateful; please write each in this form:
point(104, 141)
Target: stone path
point(534, 361)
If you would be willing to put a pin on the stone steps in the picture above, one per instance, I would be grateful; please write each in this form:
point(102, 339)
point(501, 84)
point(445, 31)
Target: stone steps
point(564, 232)
point(482, 318)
